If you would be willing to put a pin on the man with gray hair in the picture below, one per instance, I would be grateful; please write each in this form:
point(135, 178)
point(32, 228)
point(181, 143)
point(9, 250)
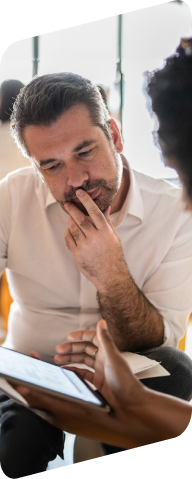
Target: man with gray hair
point(123, 258)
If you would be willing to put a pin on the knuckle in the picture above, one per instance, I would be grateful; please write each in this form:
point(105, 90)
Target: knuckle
point(95, 211)
point(75, 235)
point(71, 222)
point(85, 224)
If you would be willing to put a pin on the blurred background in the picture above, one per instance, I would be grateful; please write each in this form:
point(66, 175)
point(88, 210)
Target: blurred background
point(114, 53)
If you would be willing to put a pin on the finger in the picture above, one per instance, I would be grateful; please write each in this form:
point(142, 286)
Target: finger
point(69, 241)
point(83, 335)
point(35, 355)
point(75, 230)
point(112, 356)
point(105, 339)
point(76, 347)
point(22, 390)
point(85, 223)
point(94, 212)
point(37, 399)
point(81, 358)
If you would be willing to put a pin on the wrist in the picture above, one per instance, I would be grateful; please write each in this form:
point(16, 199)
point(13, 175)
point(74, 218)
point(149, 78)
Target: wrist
point(138, 404)
point(114, 283)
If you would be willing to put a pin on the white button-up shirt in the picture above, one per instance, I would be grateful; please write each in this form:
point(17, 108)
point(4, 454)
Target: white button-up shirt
point(11, 157)
point(52, 298)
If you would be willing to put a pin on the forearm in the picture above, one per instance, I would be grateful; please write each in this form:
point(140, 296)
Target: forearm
point(156, 418)
point(165, 416)
point(134, 323)
point(106, 428)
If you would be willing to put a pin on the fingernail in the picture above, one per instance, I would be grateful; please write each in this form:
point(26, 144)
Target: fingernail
point(66, 205)
point(80, 192)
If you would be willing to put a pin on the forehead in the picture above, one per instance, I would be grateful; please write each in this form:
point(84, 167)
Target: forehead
point(72, 127)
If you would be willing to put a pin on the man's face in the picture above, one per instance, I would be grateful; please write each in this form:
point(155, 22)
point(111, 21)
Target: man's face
point(73, 153)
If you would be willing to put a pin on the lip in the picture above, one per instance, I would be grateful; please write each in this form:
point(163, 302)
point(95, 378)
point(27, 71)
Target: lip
point(91, 193)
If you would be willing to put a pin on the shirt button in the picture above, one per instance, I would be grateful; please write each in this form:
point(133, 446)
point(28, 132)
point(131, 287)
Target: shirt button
point(87, 328)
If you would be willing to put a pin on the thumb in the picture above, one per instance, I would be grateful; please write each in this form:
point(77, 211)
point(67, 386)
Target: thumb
point(106, 342)
point(117, 373)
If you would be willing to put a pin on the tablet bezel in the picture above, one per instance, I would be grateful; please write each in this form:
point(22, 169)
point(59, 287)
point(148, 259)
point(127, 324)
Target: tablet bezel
point(103, 407)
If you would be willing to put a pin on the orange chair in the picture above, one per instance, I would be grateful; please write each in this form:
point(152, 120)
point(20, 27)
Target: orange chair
point(182, 341)
point(5, 300)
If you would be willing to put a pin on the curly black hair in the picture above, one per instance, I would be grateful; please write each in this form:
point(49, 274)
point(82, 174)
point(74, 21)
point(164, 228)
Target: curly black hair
point(170, 90)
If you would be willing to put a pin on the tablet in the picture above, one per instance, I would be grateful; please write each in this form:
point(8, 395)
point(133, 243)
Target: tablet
point(55, 380)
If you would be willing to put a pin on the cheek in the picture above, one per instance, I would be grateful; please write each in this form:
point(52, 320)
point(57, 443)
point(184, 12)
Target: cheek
point(56, 184)
point(107, 169)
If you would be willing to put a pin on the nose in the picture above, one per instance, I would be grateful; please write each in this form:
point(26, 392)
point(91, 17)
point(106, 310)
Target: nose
point(76, 176)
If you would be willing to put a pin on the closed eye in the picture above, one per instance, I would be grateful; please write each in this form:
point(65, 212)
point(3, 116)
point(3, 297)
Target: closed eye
point(53, 167)
point(86, 153)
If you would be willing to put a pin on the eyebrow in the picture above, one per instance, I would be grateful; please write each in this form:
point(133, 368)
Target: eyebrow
point(79, 147)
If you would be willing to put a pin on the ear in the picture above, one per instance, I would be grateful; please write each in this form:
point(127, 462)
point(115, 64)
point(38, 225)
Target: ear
point(116, 136)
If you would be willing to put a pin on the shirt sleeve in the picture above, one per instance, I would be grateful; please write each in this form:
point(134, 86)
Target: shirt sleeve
point(5, 222)
point(169, 289)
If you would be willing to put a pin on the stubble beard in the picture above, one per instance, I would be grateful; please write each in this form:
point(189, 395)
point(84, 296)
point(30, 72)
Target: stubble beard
point(107, 189)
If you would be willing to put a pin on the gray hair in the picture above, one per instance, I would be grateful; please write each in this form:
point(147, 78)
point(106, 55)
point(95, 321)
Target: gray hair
point(45, 98)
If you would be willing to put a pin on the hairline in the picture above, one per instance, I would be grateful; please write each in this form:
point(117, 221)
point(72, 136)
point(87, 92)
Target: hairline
point(50, 123)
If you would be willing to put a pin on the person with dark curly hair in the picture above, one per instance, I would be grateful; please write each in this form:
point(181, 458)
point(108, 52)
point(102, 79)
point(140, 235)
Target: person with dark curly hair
point(170, 90)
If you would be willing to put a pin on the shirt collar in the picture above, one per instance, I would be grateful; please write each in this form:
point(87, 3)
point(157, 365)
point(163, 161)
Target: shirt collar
point(133, 204)
point(49, 199)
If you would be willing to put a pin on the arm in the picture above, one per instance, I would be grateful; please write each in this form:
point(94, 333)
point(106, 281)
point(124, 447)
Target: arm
point(146, 415)
point(139, 416)
point(133, 321)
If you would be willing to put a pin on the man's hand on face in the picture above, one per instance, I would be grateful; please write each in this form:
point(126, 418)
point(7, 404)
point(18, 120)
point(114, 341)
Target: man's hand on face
point(94, 243)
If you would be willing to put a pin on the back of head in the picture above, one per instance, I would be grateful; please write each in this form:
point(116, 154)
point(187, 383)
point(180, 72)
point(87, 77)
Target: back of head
point(170, 89)
point(8, 93)
point(47, 97)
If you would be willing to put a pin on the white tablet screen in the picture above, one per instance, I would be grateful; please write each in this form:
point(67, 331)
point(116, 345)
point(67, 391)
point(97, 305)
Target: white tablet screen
point(43, 374)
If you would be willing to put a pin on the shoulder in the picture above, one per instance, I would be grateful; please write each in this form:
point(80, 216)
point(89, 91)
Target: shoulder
point(24, 184)
point(157, 187)
point(27, 172)
point(162, 203)
point(21, 177)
